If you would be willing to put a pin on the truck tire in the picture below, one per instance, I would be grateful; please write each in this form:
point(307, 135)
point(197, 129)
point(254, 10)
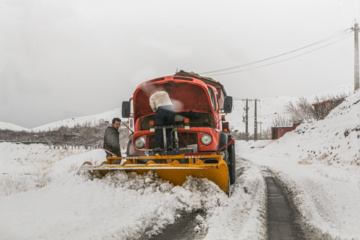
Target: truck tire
point(223, 140)
point(231, 164)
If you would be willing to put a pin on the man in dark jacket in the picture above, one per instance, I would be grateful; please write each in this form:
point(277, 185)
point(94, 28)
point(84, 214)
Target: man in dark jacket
point(111, 139)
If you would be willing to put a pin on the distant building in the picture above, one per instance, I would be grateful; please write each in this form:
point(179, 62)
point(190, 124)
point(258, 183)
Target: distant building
point(278, 132)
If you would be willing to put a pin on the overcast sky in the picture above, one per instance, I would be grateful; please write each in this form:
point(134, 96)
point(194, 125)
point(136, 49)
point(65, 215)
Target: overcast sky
point(70, 58)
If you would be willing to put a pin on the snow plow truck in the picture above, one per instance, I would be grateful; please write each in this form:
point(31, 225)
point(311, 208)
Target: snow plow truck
point(201, 144)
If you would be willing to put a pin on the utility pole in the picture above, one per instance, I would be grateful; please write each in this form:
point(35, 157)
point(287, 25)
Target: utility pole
point(247, 121)
point(356, 58)
point(255, 121)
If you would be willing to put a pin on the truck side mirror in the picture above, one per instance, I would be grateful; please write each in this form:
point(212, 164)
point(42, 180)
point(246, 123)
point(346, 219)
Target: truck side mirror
point(228, 103)
point(125, 109)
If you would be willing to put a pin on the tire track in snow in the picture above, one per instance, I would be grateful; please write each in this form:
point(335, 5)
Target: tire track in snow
point(281, 212)
point(185, 227)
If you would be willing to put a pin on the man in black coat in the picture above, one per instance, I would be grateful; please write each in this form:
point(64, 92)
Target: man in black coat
point(111, 139)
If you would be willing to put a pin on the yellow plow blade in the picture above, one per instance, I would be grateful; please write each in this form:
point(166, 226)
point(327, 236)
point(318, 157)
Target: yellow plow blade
point(170, 168)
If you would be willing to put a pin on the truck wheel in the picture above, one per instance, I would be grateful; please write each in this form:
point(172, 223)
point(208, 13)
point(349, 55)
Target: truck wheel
point(223, 140)
point(231, 164)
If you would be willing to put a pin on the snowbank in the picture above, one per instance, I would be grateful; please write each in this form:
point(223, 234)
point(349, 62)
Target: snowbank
point(319, 164)
point(121, 205)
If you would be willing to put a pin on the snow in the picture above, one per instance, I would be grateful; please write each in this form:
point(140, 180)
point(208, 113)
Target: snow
point(244, 215)
point(92, 120)
point(10, 126)
point(319, 163)
point(43, 194)
point(120, 206)
point(269, 108)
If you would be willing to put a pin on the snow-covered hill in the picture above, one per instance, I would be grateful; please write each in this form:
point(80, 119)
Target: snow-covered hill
point(269, 108)
point(334, 140)
point(10, 126)
point(91, 120)
point(69, 122)
point(320, 165)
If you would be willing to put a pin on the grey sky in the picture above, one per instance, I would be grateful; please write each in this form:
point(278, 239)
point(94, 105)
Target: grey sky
point(62, 59)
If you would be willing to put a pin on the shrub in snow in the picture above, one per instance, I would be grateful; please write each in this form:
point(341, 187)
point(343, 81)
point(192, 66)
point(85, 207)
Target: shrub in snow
point(13, 184)
point(42, 175)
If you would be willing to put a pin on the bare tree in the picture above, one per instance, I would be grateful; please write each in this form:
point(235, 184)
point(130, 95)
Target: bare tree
point(281, 121)
point(301, 111)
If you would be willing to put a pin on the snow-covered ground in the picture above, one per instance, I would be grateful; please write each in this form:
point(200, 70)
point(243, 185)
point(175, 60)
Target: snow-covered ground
point(42, 196)
point(319, 163)
point(120, 206)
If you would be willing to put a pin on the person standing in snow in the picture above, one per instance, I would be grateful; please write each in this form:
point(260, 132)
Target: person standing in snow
point(111, 139)
point(164, 115)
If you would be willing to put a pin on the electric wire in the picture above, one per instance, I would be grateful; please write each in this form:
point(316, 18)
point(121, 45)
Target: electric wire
point(286, 59)
point(283, 54)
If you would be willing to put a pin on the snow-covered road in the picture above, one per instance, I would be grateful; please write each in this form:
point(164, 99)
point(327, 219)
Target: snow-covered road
point(128, 206)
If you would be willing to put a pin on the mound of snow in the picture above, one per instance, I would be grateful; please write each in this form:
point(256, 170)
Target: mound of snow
point(59, 203)
point(13, 127)
point(334, 140)
point(319, 163)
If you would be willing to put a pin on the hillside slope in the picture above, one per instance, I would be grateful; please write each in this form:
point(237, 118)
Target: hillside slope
point(270, 108)
point(319, 163)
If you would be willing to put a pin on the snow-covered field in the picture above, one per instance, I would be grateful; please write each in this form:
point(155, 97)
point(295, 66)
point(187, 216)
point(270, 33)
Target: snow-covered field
point(42, 196)
point(121, 206)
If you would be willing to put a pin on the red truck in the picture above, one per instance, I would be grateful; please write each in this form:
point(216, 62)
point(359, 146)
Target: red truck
point(201, 141)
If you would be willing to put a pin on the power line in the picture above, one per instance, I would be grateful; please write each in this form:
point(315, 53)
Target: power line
point(286, 59)
point(266, 59)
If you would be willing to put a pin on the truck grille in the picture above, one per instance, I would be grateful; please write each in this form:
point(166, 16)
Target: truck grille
point(185, 139)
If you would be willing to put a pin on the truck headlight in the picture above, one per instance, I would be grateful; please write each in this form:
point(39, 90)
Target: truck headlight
point(140, 142)
point(206, 139)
